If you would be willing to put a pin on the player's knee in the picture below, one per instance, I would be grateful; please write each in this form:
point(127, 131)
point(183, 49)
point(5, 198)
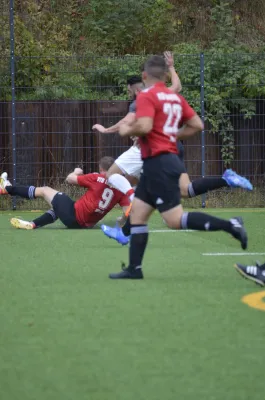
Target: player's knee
point(184, 190)
point(172, 218)
point(184, 182)
point(44, 190)
point(173, 224)
point(138, 217)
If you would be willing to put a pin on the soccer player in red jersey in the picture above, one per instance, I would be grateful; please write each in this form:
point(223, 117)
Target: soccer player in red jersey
point(97, 201)
point(162, 118)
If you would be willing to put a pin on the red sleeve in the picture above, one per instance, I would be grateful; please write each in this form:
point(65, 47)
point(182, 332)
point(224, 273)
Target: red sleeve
point(145, 106)
point(187, 111)
point(86, 180)
point(124, 201)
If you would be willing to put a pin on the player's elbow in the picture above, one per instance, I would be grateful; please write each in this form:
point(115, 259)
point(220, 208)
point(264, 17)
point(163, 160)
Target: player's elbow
point(144, 126)
point(71, 179)
point(196, 123)
point(176, 88)
point(179, 88)
point(200, 126)
point(144, 130)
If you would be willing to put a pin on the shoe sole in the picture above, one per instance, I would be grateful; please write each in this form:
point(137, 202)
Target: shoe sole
point(245, 276)
point(126, 278)
point(16, 224)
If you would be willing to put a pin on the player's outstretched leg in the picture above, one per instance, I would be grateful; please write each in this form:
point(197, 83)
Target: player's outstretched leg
point(205, 222)
point(49, 217)
point(254, 273)
point(203, 185)
point(27, 192)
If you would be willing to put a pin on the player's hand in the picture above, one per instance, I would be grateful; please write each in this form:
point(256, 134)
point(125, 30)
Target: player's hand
point(169, 59)
point(99, 128)
point(124, 130)
point(78, 171)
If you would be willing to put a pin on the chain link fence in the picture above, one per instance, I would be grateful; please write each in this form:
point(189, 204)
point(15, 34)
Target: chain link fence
point(48, 105)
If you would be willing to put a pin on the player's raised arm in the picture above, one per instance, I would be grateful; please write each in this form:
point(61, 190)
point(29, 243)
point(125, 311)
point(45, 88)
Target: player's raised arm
point(128, 119)
point(176, 83)
point(72, 178)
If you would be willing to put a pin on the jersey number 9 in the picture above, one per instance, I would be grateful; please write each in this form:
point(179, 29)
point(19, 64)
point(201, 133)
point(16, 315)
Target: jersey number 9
point(106, 197)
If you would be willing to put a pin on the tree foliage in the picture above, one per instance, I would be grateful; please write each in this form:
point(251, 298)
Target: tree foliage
point(82, 50)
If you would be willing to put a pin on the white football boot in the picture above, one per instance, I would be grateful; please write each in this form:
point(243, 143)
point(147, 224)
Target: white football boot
point(4, 182)
point(21, 224)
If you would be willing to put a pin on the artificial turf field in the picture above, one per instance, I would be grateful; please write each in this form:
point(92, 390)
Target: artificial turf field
point(68, 332)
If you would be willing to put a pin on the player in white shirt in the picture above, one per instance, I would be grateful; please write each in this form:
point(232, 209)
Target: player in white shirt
point(129, 164)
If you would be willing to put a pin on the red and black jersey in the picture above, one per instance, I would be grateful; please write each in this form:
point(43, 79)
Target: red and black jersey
point(169, 112)
point(98, 200)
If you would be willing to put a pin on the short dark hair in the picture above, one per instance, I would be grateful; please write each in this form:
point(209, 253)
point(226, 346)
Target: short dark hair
point(156, 67)
point(106, 162)
point(132, 80)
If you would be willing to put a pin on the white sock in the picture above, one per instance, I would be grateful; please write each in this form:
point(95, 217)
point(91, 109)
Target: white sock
point(122, 184)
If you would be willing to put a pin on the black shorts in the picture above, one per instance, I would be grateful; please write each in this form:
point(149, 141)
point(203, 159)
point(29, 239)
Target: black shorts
point(64, 208)
point(181, 151)
point(159, 182)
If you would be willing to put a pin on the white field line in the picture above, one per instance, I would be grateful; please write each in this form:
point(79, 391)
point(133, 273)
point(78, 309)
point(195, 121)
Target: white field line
point(170, 230)
point(233, 254)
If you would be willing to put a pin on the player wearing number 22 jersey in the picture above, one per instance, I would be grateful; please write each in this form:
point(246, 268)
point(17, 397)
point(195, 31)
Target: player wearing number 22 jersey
point(159, 182)
point(170, 110)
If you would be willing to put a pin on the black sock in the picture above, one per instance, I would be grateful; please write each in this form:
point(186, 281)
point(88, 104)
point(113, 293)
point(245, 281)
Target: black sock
point(27, 192)
point(45, 219)
point(126, 229)
point(205, 222)
point(139, 239)
point(204, 185)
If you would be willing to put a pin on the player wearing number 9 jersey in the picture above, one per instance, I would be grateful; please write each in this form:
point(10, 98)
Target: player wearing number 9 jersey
point(97, 201)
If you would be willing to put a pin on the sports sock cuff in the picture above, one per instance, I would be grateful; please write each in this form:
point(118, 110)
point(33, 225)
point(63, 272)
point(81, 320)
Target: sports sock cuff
point(191, 190)
point(184, 220)
point(138, 229)
point(52, 214)
point(31, 192)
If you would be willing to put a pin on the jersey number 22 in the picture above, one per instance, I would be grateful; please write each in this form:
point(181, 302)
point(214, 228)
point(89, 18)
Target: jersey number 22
point(174, 114)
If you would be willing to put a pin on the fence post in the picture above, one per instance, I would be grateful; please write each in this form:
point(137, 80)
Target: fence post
point(203, 119)
point(13, 93)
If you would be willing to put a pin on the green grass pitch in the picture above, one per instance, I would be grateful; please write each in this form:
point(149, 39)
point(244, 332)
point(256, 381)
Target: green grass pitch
point(69, 333)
